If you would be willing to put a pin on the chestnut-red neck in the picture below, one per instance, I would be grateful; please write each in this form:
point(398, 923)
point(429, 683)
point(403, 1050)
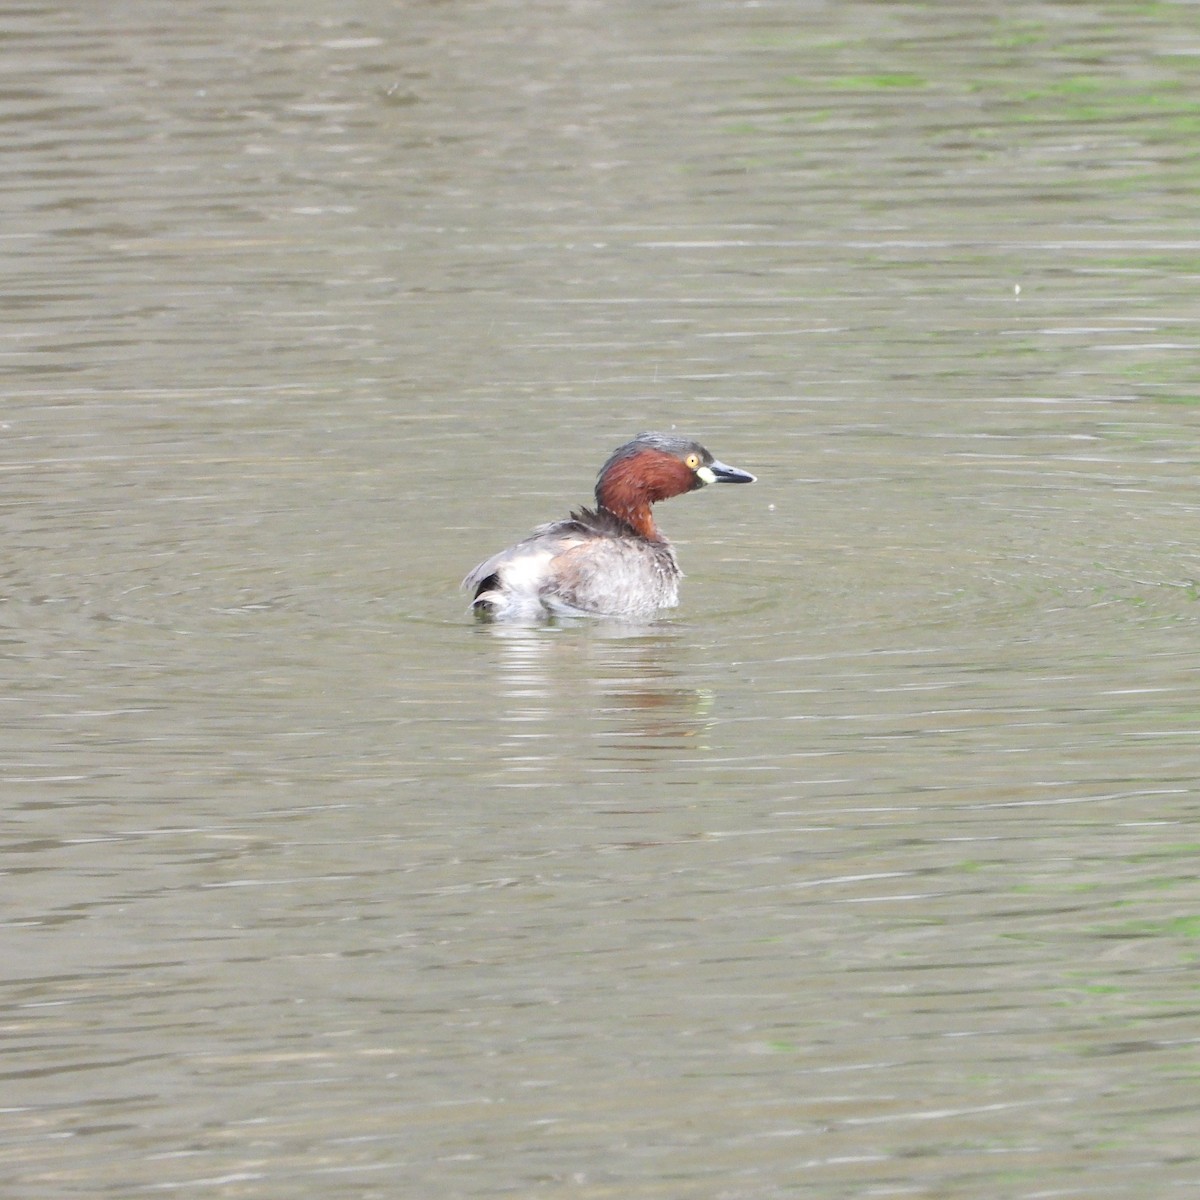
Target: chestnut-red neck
point(631, 485)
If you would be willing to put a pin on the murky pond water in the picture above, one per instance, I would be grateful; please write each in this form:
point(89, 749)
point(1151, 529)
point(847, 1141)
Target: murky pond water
point(870, 870)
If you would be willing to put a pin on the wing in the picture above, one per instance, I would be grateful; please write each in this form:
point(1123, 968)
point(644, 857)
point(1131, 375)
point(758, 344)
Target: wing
point(523, 568)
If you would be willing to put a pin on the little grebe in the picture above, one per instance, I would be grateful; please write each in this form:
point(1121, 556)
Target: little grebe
point(611, 561)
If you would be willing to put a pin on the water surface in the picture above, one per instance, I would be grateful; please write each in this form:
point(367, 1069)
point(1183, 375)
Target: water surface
point(868, 871)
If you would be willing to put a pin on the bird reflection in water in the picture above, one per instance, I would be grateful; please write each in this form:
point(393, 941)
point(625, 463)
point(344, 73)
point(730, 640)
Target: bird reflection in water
point(602, 697)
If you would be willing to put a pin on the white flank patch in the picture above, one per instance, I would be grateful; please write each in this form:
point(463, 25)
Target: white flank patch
point(527, 572)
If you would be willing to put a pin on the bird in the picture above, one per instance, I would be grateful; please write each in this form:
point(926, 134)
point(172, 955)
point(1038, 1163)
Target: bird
point(610, 561)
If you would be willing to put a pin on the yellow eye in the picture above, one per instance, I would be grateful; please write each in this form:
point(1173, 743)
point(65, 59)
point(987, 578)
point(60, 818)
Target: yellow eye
point(693, 461)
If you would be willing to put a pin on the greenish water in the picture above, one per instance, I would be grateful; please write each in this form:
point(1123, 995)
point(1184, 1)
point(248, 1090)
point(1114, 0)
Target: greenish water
point(867, 871)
